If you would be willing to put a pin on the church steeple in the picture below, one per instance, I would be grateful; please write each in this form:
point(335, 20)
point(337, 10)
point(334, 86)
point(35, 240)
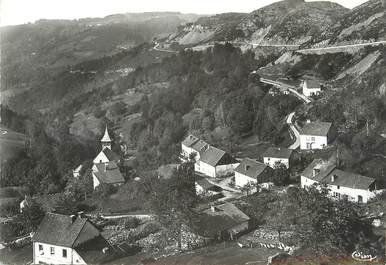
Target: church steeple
point(106, 140)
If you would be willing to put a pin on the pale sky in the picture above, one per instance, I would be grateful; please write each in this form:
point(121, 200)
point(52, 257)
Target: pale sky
point(14, 12)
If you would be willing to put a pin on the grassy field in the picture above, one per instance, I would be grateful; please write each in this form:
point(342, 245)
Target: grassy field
point(221, 254)
point(10, 143)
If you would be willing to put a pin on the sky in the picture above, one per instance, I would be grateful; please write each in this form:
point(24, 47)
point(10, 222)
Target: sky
point(14, 12)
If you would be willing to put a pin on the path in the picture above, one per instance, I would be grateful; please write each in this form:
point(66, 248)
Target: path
point(156, 47)
point(294, 130)
point(342, 46)
point(290, 88)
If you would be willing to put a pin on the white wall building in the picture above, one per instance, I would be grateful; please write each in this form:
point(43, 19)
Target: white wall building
point(274, 155)
point(341, 184)
point(214, 162)
point(311, 88)
point(251, 171)
point(315, 135)
point(63, 239)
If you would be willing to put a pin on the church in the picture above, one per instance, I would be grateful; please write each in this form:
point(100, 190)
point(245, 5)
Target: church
point(105, 169)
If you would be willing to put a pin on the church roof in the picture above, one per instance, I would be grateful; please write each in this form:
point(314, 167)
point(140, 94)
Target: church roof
point(108, 173)
point(106, 136)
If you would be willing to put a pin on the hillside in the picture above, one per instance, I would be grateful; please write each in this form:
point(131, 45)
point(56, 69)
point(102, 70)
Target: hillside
point(32, 53)
point(285, 22)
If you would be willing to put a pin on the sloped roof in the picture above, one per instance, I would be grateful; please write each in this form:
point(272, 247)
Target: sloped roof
point(311, 83)
point(251, 168)
point(108, 174)
point(190, 140)
point(59, 230)
point(316, 128)
point(199, 146)
point(106, 137)
point(111, 155)
point(91, 251)
point(225, 216)
point(215, 157)
point(278, 152)
point(348, 179)
point(324, 168)
point(206, 185)
point(327, 169)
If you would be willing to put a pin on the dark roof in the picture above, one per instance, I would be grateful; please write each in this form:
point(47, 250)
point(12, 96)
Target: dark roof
point(225, 216)
point(91, 251)
point(278, 152)
point(200, 146)
point(323, 167)
point(190, 140)
point(348, 179)
point(316, 128)
point(206, 185)
point(311, 83)
point(215, 157)
point(327, 169)
point(111, 156)
point(251, 168)
point(108, 173)
point(59, 230)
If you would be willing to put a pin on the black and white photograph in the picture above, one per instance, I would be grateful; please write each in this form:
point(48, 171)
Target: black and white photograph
point(192, 132)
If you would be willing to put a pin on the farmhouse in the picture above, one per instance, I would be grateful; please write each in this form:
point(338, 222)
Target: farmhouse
point(205, 188)
point(274, 155)
point(315, 135)
point(311, 88)
point(214, 162)
point(251, 171)
point(106, 173)
point(192, 145)
point(341, 184)
point(62, 239)
point(224, 221)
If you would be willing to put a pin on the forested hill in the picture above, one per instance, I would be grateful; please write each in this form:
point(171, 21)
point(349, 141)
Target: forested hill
point(33, 52)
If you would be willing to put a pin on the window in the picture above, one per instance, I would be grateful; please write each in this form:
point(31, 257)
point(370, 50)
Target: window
point(52, 250)
point(338, 187)
point(64, 252)
point(313, 139)
point(40, 247)
point(360, 198)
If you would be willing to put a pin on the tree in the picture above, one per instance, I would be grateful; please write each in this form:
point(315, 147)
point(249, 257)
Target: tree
point(32, 216)
point(173, 200)
point(280, 174)
point(66, 204)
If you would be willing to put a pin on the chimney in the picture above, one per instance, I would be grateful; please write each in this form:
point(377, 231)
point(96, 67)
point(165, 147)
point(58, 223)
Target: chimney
point(247, 167)
point(106, 166)
point(81, 214)
point(333, 178)
point(315, 171)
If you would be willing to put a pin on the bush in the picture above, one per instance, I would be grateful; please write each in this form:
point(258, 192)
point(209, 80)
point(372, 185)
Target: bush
point(131, 222)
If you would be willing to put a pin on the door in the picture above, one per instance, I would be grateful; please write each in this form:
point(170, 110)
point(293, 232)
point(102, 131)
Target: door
point(360, 199)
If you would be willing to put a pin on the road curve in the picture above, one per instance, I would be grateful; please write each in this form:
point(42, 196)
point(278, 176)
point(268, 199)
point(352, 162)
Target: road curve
point(294, 130)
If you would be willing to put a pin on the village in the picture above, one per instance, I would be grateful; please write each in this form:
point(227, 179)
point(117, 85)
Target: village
point(221, 181)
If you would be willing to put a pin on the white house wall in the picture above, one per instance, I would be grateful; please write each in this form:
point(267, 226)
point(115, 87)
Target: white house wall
point(205, 169)
point(57, 258)
point(242, 180)
point(95, 181)
point(315, 142)
point(271, 161)
point(352, 194)
point(101, 158)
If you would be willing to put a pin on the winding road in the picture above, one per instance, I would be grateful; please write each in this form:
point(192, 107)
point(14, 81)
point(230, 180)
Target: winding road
point(295, 131)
